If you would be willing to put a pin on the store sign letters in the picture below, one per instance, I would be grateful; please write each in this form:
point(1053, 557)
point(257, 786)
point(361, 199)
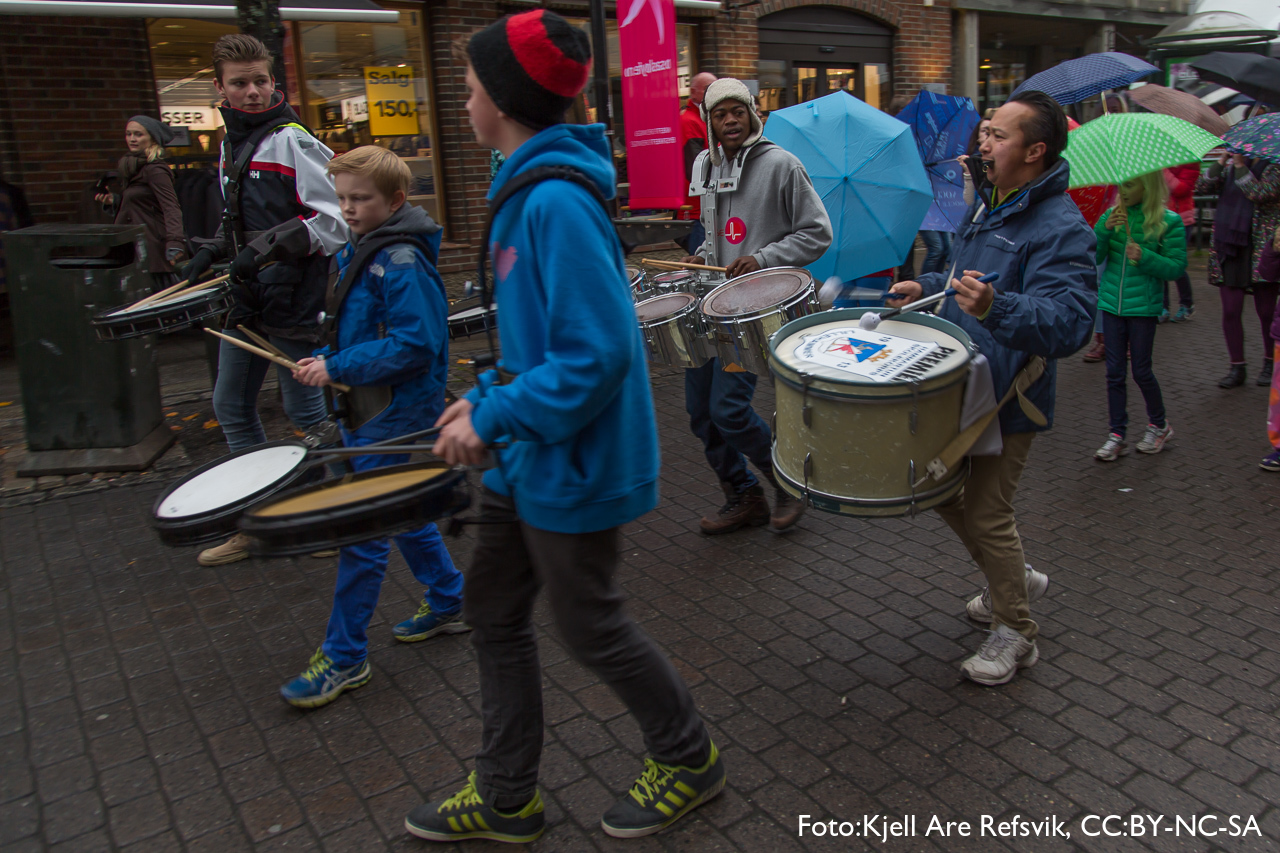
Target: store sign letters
point(651, 103)
point(392, 100)
point(193, 118)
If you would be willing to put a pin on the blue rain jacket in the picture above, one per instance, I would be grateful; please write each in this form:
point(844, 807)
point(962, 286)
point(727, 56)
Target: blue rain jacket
point(1046, 299)
point(578, 412)
point(393, 328)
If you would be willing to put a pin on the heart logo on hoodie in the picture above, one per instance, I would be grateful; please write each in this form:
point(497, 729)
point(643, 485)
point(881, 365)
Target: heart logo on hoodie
point(503, 260)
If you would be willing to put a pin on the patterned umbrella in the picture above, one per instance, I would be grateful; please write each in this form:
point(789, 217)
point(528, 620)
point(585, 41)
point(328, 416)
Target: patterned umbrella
point(942, 125)
point(1075, 80)
point(1114, 148)
point(1183, 105)
point(1257, 137)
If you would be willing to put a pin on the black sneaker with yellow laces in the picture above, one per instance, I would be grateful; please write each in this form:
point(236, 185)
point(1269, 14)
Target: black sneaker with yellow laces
point(662, 795)
point(465, 815)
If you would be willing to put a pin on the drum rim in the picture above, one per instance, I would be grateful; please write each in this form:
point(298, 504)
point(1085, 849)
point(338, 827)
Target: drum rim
point(152, 312)
point(692, 305)
point(790, 375)
point(960, 474)
point(266, 523)
point(187, 521)
point(763, 312)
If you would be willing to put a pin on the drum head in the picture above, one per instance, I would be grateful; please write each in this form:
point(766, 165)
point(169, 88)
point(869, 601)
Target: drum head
point(232, 481)
point(634, 274)
point(897, 351)
point(663, 306)
point(478, 311)
point(336, 495)
point(676, 279)
point(755, 292)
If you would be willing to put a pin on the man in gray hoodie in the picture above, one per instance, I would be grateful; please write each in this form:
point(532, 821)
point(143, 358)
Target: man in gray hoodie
point(759, 211)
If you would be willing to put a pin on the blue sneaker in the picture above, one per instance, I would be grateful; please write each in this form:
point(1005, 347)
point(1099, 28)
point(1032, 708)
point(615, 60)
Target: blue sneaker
point(1184, 313)
point(1164, 317)
point(1270, 462)
point(426, 623)
point(323, 682)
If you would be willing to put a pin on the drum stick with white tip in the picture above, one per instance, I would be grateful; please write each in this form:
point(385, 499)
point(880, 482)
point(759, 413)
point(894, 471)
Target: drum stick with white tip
point(176, 295)
point(155, 297)
point(680, 265)
point(871, 320)
point(269, 356)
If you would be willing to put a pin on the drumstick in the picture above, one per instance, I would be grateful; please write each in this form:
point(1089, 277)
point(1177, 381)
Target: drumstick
point(680, 265)
point(269, 356)
point(172, 297)
point(261, 341)
point(147, 300)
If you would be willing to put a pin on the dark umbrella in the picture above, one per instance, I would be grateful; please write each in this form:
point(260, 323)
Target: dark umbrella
point(1257, 137)
point(1075, 80)
point(1171, 102)
point(1254, 75)
point(942, 125)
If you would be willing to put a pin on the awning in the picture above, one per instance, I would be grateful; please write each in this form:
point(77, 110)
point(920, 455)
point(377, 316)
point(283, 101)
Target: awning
point(1212, 28)
point(290, 10)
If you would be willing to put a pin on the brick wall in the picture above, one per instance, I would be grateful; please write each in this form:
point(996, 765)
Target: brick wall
point(67, 87)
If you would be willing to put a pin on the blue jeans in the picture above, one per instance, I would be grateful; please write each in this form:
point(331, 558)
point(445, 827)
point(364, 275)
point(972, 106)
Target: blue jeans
point(937, 246)
point(1127, 337)
point(235, 396)
point(362, 567)
point(720, 413)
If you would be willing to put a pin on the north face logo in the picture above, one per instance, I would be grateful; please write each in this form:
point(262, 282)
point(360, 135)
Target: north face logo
point(255, 174)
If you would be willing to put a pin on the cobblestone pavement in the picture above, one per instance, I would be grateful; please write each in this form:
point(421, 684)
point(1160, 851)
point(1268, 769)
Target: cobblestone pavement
point(138, 705)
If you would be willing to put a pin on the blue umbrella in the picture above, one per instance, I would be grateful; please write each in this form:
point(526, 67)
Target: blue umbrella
point(1075, 80)
point(942, 125)
point(864, 165)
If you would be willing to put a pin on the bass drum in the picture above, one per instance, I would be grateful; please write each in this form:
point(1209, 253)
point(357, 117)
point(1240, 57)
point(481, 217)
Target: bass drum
point(861, 414)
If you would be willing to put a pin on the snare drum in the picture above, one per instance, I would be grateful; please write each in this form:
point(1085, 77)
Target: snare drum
point(371, 504)
point(673, 331)
point(205, 505)
point(639, 283)
point(121, 323)
point(744, 312)
point(686, 281)
point(471, 321)
point(861, 414)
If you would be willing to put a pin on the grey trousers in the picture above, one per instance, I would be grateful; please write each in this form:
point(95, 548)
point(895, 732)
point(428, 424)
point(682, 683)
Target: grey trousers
point(511, 562)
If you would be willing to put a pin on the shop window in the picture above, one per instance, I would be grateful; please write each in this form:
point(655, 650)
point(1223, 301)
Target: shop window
point(181, 50)
point(369, 84)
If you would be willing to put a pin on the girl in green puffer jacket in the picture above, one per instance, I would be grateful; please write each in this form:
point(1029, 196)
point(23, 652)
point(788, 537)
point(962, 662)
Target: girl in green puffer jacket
point(1144, 246)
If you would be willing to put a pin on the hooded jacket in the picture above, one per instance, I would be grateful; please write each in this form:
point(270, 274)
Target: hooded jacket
point(775, 214)
point(578, 411)
point(1136, 288)
point(393, 327)
point(290, 215)
point(1045, 302)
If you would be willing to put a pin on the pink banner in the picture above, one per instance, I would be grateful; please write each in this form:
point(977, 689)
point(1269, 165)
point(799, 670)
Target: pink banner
point(651, 103)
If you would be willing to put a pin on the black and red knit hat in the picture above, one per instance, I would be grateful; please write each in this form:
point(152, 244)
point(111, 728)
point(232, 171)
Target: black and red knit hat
point(532, 65)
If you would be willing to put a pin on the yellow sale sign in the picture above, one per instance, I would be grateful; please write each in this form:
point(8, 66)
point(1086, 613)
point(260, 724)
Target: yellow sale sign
point(393, 100)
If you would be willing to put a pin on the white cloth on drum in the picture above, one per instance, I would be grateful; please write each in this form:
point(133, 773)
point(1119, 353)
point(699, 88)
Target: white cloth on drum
point(979, 399)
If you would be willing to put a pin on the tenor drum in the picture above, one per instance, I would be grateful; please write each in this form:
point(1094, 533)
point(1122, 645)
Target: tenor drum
point(639, 282)
point(861, 414)
point(673, 331)
point(205, 505)
point(471, 321)
point(697, 282)
point(743, 313)
point(372, 504)
point(122, 323)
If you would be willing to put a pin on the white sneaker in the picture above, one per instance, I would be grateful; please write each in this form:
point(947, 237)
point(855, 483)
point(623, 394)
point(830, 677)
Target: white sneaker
point(233, 550)
point(1112, 450)
point(1155, 438)
point(1000, 657)
point(979, 607)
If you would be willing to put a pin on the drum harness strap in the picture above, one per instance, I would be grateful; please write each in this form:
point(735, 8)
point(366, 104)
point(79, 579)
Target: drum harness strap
point(362, 403)
point(962, 443)
point(233, 171)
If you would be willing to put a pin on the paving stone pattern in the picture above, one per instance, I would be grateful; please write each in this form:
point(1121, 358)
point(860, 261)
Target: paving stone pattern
point(138, 706)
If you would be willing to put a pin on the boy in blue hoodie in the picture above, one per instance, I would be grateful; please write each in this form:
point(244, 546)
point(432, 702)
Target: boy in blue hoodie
point(391, 331)
point(571, 399)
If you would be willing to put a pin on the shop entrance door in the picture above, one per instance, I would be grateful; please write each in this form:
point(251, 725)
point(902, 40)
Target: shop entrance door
point(812, 51)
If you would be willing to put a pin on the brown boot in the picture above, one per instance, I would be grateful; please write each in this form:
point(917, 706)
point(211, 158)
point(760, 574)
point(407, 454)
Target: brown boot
point(786, 509)
point(740, 509)
point(1098, 351)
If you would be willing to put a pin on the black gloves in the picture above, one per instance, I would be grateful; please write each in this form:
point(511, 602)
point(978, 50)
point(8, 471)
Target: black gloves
point(245, 266)
point(199, 265)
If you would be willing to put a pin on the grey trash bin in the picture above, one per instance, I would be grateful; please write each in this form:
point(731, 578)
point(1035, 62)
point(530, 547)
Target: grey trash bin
point(89, 405)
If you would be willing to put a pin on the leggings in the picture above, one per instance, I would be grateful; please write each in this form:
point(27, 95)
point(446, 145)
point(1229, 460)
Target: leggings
point(1264, 302)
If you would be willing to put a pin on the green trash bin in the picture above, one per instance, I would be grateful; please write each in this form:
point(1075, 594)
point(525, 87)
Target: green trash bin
point(89, 405)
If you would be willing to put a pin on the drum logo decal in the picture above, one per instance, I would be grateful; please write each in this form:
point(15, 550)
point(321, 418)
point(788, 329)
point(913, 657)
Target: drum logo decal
point(869, 355)
point(735, 231)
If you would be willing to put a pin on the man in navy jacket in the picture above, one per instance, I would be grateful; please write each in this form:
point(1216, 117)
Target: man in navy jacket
point(1026, 228)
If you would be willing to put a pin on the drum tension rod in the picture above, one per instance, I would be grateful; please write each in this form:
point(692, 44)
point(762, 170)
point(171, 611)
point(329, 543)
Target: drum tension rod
point(914, 418)
point(808, 469)
point(805, 413)
point(911, 478)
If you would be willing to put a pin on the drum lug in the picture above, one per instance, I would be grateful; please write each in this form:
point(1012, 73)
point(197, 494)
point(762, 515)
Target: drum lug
point(808, 469)
point(911, 479)
point(805, 410)
point(914, 418)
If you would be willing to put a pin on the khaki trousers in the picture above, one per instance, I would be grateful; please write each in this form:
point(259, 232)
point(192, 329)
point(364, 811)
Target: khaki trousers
point(982, 516)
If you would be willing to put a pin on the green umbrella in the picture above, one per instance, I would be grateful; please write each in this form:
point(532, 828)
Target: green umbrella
point(1116, 147)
